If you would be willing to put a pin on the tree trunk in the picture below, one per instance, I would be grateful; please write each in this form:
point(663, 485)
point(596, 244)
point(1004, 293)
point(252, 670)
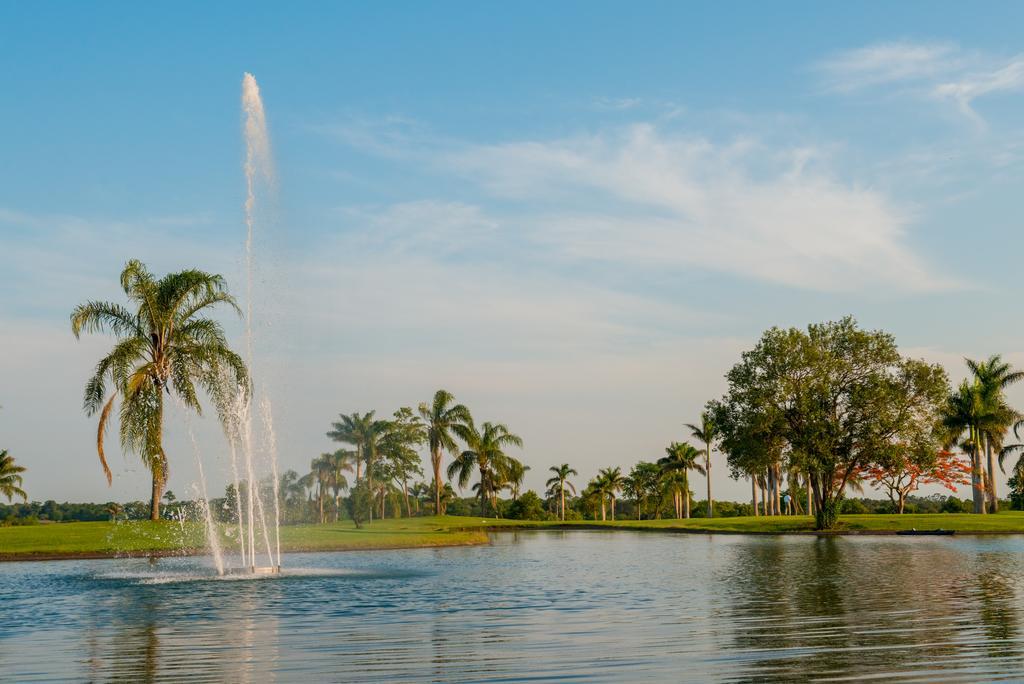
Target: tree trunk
point(154, 503)
point(900, 503)
point(435, 459)
point(563, 502)
point(764, 495)
point(991, 483)
point(613, 508)
point(977, 475)
point(408, 506)
point(753, 493)
point(707, 468)
point(777, 476)
point(602, 508)
point(810, 505)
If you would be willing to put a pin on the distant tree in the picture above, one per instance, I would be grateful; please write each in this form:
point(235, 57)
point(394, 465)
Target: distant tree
point(560, 481)
point(680, 458)
point(706, 433)
point(527, 507)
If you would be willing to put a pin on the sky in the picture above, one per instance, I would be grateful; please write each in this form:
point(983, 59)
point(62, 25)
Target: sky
point(574, 216)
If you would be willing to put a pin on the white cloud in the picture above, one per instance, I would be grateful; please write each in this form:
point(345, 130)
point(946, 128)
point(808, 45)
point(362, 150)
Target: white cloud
point(643, 198)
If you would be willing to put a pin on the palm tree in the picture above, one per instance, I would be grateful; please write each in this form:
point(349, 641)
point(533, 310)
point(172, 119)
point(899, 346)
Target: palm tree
point(560, 481)
point(10, 477)
point(516, 473)
point(486, 453)
point(706, 433)
point(965, 411)
point(321, 470)
point(165, 345)
point(995, 375)
point(365, 433)
point(441, 417)
point(339, 463)
point(682, 457)
point(614, 481)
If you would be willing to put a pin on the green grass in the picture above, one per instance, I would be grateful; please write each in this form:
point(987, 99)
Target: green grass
point(98, 539)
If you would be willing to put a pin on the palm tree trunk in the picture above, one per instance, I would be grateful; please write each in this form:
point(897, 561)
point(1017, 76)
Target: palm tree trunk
point(563, 502)
point(435, 458)
point(154, 504)
point(762, 481)
point(686, 495)
point(613, 508)
point(977, 475)
point(810, 505)
point(753, 493)
point(602, 508)
point(707, 468)
point(991, 484)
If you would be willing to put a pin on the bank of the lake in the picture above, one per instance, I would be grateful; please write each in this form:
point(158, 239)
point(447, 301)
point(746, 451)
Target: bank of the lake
point(107, 540)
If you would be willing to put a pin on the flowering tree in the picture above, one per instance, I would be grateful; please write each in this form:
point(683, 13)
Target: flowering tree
point(903, 476)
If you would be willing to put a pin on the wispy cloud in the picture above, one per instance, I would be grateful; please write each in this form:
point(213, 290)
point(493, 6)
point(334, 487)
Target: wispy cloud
point(938, 71)
point(889, 63)
point(648, 199)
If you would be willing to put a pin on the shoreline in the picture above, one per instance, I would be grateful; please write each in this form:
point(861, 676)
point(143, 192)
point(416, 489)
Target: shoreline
point(456, 533)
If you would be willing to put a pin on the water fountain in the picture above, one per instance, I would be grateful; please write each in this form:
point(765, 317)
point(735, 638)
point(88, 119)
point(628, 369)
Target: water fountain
point(259, 541)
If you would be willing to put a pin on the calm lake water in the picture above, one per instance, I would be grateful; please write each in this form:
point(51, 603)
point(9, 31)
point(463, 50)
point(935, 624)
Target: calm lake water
point(588, 606)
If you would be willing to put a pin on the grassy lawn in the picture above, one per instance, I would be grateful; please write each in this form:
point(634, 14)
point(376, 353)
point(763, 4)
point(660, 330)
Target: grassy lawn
point(97, 539)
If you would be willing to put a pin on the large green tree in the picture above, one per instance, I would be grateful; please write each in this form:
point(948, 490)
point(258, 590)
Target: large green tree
point(440, 416)
point(10, 477)
point(166, 345)
point(839, 397)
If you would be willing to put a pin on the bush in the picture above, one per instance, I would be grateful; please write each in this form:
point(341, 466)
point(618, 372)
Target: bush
point(527, 507)
point(955, 505)
point(853, 507)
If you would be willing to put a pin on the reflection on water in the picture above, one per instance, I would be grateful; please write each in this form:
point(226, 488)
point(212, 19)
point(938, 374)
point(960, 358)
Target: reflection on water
point(619, 606)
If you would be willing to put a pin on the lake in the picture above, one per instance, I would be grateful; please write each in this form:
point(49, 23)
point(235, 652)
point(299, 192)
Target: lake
point(580, 605)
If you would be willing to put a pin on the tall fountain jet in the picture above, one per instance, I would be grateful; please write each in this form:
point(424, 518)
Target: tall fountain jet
point(258, 535)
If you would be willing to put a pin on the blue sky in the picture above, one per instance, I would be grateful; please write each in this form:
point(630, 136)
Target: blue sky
point(572, 215)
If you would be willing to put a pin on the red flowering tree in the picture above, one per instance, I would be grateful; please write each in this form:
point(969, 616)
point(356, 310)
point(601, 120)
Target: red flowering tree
point(903, 476)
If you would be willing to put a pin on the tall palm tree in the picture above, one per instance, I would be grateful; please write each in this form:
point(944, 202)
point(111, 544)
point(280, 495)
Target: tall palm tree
point(516, 474)
point(706, 433)
point(613, 481)
point(682, 457)
point(440, 418)
point(560, 481)
point(340, 462)
point(485, 452)
point(10, 477)
point(365, 432)
point(321, 470)
point(965, 412)
point(165, 344)
point(994, 375)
